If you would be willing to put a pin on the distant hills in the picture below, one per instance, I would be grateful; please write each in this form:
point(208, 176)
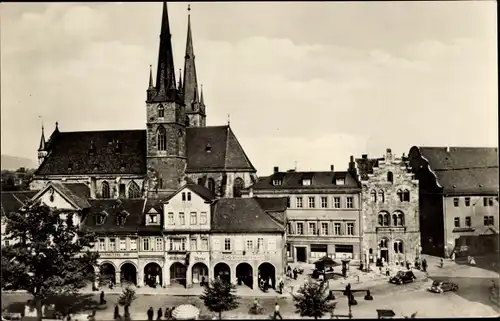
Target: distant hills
point(14, 162)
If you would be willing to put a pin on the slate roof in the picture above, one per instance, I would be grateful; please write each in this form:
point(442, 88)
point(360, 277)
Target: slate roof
point(124, 152)
point(77, 192)
point(114, 207)
point(272, 204)
point(202, 191)
point(242, 215)
point(95, 152)
point(464, 170)
point(293, 180)
point(215, 149)
point(12, 201)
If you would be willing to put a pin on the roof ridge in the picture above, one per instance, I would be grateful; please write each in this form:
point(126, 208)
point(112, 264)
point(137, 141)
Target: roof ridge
point(230, 131)
point(464, 168)
point(102, 131)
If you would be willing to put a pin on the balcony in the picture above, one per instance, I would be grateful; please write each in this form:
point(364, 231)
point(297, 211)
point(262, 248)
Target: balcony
point(391, 228)
point(177, 251)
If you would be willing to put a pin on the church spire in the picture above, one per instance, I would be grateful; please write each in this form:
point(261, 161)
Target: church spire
point(201, 96)
point(180, 80)
point(42, 142)
point(190, 78)
point(151, 86)
point(165, 76)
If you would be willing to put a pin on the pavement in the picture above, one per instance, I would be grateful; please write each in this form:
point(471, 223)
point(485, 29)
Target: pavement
point(472, 299)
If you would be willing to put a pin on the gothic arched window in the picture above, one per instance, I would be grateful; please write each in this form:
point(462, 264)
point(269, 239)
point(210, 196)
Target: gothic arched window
point(211, 185)
point(406, 195)
point(381, 196)
point(238, 185)
point(161, 111)
point(373, 196)
point(383, 243)
point(398, 246)
point(134, 191)
point(400, 195)
point(380, 219)
point(400, 218)
point(384, 218)
point(162, 139)
point(105, 193)
point(390, 177)
point(394, 220)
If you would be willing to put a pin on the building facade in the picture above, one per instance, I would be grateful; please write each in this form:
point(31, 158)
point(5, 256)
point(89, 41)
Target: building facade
point(390, 210)
point(248, 240)
point(458, 197)
point(323, 215)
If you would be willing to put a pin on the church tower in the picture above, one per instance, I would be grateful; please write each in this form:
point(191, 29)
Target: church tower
point(42, 150)
point(195, 107)
point(166, 121)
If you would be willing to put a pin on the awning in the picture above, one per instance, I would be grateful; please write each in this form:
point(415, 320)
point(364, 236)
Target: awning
point(327, 261)
point(186, 312)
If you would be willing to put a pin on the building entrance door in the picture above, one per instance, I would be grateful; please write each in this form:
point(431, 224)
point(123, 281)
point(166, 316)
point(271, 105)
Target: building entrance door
point(301, 254)
point(384, 253)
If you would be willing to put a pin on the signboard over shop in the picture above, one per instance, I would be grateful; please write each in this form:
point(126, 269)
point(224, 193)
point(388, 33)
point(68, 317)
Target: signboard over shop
point(239, 257)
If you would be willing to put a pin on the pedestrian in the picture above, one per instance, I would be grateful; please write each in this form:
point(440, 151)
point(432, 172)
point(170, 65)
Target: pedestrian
point(101, 300)
point(361, 266)
point(160, 314)
point(387, 273)
point(472, 261)
point(424, 265)
point(116, 314)
point(368, 296)
point(441, 263)
point(295, 273)
point(277, 311)
point(150, 313)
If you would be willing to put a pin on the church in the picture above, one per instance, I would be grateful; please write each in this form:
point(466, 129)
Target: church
point(176, 147)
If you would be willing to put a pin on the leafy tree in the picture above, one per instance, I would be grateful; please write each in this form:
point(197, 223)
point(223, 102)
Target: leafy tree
point(126, 298)
point(48, 254)
point(219, 296)
point(312, 300)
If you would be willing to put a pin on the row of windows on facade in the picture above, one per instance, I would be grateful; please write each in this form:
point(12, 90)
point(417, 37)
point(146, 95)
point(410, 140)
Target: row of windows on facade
point(180, 218)
point(133, 190)
point(179, 244)
point(487, 221)
point(403, 196)
point(398, 219)
point(324, 203)
point(323, 228)
point(306, 181)
point(487, 201)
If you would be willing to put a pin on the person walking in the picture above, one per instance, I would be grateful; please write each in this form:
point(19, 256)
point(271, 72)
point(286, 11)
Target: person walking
point(424, 265)
point(150, 313)
point(277, 312)
point(116, 314)
point(101, 299)
point(441, 263)
point(160, 314)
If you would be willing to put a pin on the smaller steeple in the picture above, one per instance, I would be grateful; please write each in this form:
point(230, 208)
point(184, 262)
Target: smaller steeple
point(57, 127)
point(201, 96)
point(151, 86)
point(180, 80)
point(42, 142)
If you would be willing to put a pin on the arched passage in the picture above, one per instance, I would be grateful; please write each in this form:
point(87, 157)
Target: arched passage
point(200, 273)
point(223, 271)
point(384, 250)
point(128, 273)
point(267, 273)
point(153, 275)
point(178, 273)
point(107, 273)
point(244, 274)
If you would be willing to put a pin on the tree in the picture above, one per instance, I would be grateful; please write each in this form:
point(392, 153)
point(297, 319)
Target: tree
point(48, 254)
point(312, 300)
point(219, 296)
point(126, 298)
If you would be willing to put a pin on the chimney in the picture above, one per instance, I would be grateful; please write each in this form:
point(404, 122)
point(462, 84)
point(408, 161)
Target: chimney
point(332, 168)
point(276, 169)
point(352, 165)
point(388, 154)
point(447, 149)
point(364, 156)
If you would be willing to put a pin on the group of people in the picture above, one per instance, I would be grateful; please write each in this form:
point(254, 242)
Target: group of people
point(292, 273)
point(159, 314)
point(153, 280)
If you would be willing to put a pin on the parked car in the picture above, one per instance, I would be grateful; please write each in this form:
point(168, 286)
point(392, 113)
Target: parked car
point(443, 286)
point(403, 277)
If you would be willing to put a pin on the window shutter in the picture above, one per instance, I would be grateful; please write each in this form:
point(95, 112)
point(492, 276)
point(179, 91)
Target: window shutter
point(217, 245)
point(238, 244)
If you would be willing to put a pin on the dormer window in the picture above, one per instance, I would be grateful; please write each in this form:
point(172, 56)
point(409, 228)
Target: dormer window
point(208, 148)
point(70, 166)
point(122, 167)
point(277, 182)
point(120, 220)
point(339, 181)
point(101, 217)
point(161, 111)
point(92, 148)
point(306, 182)
point(152, 218)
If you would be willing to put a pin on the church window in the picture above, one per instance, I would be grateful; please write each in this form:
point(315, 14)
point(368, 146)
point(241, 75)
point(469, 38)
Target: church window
point(105, 190)
point(238, 185)
point(133, 190)
point(373, 196)
point(211, 185)
point(161, 111)
point(381, 196)
point(400, 195)
point(406, 195)
point(390, 177)
point(162, 139)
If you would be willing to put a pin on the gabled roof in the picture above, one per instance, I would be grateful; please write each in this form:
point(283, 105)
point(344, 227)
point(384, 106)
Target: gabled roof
point(75, 193)
point(215, 149)
point(242, 215)
point(113, 208)
point(463, 170)
point(95, 152)
point(201, 191)
point(13, 201)
point(272, 204)
point(293, 180)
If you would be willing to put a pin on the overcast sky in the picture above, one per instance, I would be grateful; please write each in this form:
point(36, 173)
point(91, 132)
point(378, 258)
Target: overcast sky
point(305, 82)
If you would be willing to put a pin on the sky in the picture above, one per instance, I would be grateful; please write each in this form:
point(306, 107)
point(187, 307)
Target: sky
point(305, 84)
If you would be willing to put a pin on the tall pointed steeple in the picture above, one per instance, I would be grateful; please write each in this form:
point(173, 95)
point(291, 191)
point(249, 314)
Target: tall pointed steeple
point(179, 87)
point(190, 77)
point(151, 86)
point(202, 101)
point(165, 75)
